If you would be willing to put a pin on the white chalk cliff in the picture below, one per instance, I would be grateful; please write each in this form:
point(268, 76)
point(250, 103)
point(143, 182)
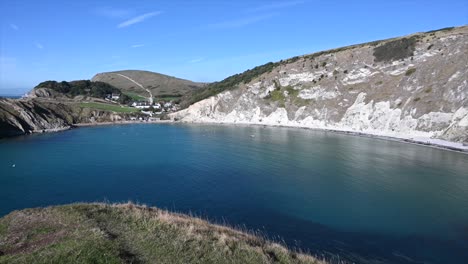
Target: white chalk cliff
point(413, 87)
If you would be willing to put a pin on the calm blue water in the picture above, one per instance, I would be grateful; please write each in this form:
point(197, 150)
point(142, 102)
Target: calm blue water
point(11, 96)
point(359, 198)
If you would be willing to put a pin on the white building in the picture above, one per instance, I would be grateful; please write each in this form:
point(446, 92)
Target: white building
point(141, 105)
point(112, 96)
point(147, 113)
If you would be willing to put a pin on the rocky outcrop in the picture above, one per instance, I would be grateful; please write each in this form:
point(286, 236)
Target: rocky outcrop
point(413, 87)
point(27, 116)
point(43, 92)
point(18, 117)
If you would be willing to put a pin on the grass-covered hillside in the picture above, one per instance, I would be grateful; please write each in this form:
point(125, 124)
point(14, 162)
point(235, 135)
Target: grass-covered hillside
point(127, 233)
point(109, 107)
point(160, 85)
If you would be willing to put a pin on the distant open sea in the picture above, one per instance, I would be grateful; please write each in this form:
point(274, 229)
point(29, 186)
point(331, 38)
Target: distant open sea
point(344, 197)
point(10, 96)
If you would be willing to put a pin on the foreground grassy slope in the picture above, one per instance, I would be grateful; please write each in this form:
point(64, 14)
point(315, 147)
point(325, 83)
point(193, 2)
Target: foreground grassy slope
point(126, 233)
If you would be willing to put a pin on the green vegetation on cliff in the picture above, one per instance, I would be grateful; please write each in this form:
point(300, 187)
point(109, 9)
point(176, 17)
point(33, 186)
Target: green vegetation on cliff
point(396, 49)
point(83, 87)
point(134, 96)
point(126, 233)
point(228, 83)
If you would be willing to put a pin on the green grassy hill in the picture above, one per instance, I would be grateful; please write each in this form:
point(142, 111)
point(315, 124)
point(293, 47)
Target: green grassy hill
point(127, 233)
point(158, 84)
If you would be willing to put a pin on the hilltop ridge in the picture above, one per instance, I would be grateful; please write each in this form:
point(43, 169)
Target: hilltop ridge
point(137, 82)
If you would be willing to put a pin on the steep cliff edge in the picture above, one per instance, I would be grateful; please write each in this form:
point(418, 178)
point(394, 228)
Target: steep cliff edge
point(24, 116)
point(414, 87)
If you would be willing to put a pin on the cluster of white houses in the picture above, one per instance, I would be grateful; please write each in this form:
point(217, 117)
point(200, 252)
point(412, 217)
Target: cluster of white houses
point(158, 107)
point(145, 119)
point(144, 105)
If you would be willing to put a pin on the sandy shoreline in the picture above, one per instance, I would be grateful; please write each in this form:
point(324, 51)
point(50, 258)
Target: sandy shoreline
point(429, 142)
point(122, 123)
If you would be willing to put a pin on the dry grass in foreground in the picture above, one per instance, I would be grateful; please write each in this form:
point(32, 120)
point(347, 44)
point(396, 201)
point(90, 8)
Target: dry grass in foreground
point(129, 233)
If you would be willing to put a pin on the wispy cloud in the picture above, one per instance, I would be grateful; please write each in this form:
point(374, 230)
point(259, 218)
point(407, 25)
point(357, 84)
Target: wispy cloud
point(137, 46)
point(111, 12)
point(196, 60)
point(138, 19)
point(237, 23)
point(275, 5)
point(38, 45)
point(14, 27)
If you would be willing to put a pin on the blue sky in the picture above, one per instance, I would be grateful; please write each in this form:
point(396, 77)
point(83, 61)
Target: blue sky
point(197, 40)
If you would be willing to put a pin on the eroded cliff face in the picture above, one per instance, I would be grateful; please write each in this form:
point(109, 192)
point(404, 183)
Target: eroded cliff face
point(408, 88)
point(18, 117)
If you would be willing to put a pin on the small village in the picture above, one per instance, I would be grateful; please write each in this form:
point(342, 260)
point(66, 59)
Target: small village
point(153, 109)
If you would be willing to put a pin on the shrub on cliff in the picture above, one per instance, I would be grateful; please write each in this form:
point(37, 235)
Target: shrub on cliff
point(395, 49)
point(83, 87)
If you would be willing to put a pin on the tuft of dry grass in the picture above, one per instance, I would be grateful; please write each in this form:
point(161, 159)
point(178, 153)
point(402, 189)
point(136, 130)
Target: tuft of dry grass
point(410, 71)
point(130, 233)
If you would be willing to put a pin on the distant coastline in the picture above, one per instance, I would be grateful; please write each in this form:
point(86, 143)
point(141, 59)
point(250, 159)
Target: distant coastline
point(429, 142)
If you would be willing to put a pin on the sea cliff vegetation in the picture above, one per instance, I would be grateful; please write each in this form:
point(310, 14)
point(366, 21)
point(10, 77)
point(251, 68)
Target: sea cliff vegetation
point(129, 233)
point(84, 87)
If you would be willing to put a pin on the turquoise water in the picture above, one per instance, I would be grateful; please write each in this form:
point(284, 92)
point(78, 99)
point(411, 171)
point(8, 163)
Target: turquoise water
point(358, 198)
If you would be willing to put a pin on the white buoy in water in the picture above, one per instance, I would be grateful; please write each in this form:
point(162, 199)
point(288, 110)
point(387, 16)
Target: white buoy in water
point(14, 165)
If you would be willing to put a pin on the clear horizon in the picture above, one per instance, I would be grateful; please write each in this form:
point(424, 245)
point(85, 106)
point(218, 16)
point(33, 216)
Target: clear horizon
point(204, 41)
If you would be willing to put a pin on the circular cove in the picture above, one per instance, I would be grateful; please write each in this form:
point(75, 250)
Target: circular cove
point(338, 196)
